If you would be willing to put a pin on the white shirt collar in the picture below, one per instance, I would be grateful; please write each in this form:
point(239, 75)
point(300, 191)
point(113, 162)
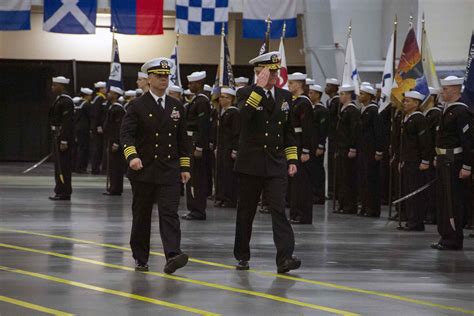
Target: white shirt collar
point(156, 97)
point(272, 90)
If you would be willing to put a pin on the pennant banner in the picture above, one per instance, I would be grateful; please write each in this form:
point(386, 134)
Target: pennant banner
point(428, 64)
point(115, 77)
point(142, 17)
point(350, 76)
point(410, 75)
point(283, 71)
point(15, 15)
point(255, 14)
point(175, 77)
point(70, 16)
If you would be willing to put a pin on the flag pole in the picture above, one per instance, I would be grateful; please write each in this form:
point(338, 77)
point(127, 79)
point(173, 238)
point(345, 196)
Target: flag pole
point(267, 34)
point(392, 119)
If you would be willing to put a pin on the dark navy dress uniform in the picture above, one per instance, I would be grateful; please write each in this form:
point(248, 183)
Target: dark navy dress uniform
point(453, 149)
point(333, 105)
point(415, 149)
point(370, 144)
point(158, 137)
point(97, 140)
point(81, 120)
point(198, 129)
point(386, 118)
point(320, 130)
point(301, 201)
point(266, 146)
point(61, 123)
point(227, 138)
point(347, 136)
point(432, 116)
point(116, 168)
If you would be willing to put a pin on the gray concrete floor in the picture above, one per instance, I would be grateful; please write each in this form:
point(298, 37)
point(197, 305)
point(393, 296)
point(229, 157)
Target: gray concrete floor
point(350, 264)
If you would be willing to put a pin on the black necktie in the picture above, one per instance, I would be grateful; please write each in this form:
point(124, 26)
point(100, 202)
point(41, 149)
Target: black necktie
point(159, 102)
point(270, 101)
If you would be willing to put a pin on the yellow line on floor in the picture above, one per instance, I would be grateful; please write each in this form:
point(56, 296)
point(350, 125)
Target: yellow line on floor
point(281, 276)
point(187, 280)
point(32, 306)
point(108, 291)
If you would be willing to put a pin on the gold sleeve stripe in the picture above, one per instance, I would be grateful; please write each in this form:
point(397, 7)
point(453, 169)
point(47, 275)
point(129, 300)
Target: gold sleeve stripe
point(185, 162)
point(129, 151)
point(291, 150)
point(254, 99)
point(252, 102)
point(291, 157)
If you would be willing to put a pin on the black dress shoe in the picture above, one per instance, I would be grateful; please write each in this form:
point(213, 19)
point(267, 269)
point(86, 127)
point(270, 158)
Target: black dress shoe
point(60, 198)
point(439, 246)
point(242, 265)
point(264, 210)
point(289, 264)
point(140, 266)
point(112, 194)
point(176, 263)
point(191, 217)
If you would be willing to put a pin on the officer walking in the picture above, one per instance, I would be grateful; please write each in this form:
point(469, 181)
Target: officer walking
point(61, 123)
point(154, 141)
point(266, 139)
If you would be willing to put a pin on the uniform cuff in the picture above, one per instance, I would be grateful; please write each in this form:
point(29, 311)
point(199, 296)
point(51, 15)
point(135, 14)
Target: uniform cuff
point(425, 162)
point(466, 167)
point(199, 148)
point(63, 142)
point(130, 152)
point(379, 153)
point(305, 151)
point(353, 150)
point(184, 164)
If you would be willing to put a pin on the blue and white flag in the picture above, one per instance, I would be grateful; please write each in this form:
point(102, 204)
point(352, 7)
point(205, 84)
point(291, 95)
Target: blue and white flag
point(175, 77)
point(468, 92)
point(70, 16)
point(387, 77)
point(350, 75)
point(15, 15)
point(201, 17)
point(256, 12)
point(115, 77)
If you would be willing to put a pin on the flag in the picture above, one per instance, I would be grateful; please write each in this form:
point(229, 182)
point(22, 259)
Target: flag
point(410, 75)
point(350, 76)
point(175, 77)
point(201, 17)
point(224, 74)
point(73, 17)
point(283, 71)
point(115, 77)
point(15, 15)
point(468, 93)
point(256, 12)
point(387, 77)
point(141, 17)
point(428, 64)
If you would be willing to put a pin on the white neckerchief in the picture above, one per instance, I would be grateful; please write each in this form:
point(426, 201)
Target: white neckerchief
point(157, 97)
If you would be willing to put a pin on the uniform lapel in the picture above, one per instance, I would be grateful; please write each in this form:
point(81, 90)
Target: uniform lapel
point(152, 106)
point(166, 113)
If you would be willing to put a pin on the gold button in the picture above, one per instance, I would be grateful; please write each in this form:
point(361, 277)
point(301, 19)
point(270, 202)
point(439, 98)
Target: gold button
point(156, 145)
point(150, 115)
point(264, 146)
point(268, 122)
point(156, 134)
point(169, 156)
point(266, 134)
point(169, 134)
point(278, 135)
point(169, 145)
point(156, 156)
point(279, 122)
point(277, 147)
